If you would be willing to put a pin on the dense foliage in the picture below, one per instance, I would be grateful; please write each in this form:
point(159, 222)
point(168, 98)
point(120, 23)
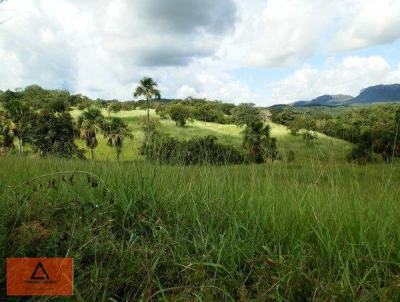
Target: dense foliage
point(163, 148)
point(50, 133)
point(258, 143)
point(374, 129)
point(209, 111)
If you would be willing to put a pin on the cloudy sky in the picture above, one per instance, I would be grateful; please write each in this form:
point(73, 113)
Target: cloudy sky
point(262, 51)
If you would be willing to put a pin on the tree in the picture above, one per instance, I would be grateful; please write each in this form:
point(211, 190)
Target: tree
point(245, 114)
point(51, 134)
point(258, 144)
point(208, 112)
point(6, 133)
point(114, 107)
point(147, 89)
point(16, 106)
point(88, 123)
point(116, 131)
point(179, 114)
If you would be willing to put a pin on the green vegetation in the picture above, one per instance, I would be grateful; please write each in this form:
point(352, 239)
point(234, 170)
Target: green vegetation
point(147, 89)
point(228, 207)
point(374, 130)
point(275, 232)
point(161, 148)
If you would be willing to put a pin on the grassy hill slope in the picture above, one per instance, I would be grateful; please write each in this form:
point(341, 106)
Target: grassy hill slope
point(325, 148)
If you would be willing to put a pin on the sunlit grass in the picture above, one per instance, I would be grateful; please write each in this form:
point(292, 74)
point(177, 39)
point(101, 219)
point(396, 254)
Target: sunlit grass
point(302, 231)
point(325, 149)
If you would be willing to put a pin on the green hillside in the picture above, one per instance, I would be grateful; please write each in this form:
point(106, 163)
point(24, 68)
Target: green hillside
point(325, 148)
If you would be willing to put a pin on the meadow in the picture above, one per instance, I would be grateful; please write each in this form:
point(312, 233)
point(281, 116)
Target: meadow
point(326, 149)
point(316, 229)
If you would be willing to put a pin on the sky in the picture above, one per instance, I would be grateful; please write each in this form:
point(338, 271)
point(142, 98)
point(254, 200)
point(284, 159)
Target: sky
point(260, 51)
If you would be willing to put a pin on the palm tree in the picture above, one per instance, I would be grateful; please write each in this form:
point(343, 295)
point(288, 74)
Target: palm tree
point(115, 133)
point(147, 88)
point(88, 123)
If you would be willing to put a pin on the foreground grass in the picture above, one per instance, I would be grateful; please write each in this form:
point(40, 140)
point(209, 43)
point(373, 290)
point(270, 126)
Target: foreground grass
point(311, 231)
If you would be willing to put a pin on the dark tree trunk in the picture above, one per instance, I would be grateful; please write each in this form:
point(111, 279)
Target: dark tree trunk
point(118, 154)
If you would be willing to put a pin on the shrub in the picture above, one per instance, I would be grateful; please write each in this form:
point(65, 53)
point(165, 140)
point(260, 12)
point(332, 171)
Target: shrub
point(199, 150)
point(153, 125)
point(179, 114)
point(290, 156)
point(51, 134)
point(309, 137)
point(362, 155)
point(258, 144)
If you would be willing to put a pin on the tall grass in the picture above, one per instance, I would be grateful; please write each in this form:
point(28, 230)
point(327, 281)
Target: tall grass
point(275, 232)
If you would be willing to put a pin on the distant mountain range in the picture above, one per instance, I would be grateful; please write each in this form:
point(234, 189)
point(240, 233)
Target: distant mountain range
point(373, 94)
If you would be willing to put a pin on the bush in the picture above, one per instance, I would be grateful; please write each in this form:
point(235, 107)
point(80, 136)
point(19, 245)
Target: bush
point(154, 124)
point(309, 137)
point(179, 114)
point(258, 143)
point(51, 134)
point(290, 156)
point(200, 150)
point(363, 156)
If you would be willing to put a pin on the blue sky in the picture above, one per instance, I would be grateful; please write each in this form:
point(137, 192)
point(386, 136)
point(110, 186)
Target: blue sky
point(261, 51)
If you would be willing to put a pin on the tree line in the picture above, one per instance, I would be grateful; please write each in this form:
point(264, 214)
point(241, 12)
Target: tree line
point(374, 130)
point(42, 119)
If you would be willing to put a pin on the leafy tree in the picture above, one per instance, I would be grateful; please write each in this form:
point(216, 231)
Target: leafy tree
point(58, 105)
point(6, 133)
point(245, 114)
point(208, 112)
point(258, 144)
point(114, 107)
point(179, 114)
point(147, 89)
point(162, 111)
point(16, 106)
point(101, 104)
point(51, 134)
point(116, 131)
point(88, 123)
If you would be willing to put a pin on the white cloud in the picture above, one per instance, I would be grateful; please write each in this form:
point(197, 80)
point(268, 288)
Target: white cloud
point(346, 77)
point(101, 48)
point(193, 47)
point(371, 22)
point(286, 32)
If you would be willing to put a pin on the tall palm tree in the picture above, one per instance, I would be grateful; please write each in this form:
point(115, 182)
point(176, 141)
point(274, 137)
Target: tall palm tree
point(115, 132)
point(148, 89)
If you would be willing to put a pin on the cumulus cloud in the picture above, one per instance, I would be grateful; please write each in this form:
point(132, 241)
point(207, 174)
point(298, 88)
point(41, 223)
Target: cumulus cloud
point(371, 22)
point(94, 46)
point(348, 76)
point(215, 86)
point(287, 32)
point(194, 47)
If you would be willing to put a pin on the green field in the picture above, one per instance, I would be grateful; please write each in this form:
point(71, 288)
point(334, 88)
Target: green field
point(317, 229)
point(326, 149)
